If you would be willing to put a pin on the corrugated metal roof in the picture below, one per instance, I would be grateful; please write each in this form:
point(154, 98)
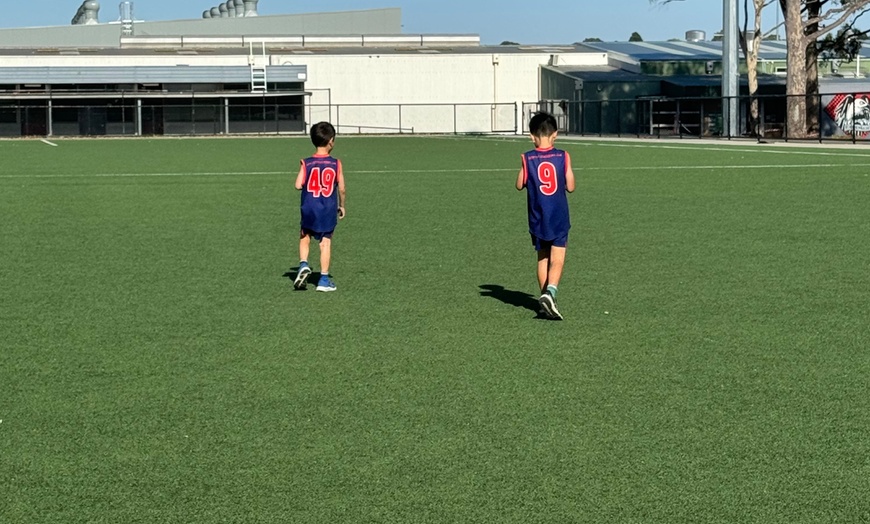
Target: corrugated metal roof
point(277, 49)
point(146, 74)
point(716, 80)
point(611, 74)
point(162, 95)
point(681, 50)
point(657, 52)
point(363, 21)
point(603, 74)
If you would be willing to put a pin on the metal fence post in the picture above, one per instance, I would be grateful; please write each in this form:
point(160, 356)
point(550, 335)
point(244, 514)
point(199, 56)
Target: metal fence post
point(138, 117)
point(854, 98)
point(50, 123)
point(726, 114)
point(454, 119)
point(638, 116)
point(678, 120)
point(619, 119)
point(123, 114)
point(785, 129)
point(819, 116)
point(600, 118)
point(701, 128)
point(226, 116)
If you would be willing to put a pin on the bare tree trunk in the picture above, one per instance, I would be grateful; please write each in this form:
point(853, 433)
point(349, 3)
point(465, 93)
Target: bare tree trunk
point(814, 9)
point(796, 81)
point(813, 102)
point(752, 70)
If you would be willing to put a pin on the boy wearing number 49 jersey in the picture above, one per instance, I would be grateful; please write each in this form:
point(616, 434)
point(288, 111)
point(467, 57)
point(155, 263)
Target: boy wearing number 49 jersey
point(547, 175)
point(322, 184)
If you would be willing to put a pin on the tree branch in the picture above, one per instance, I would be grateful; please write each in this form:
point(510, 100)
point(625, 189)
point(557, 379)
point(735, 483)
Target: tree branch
point(845, 13)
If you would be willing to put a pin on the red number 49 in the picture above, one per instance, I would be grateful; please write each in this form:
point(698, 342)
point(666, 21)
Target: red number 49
point(321, 183)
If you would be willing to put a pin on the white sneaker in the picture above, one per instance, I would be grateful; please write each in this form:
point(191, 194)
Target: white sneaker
point(302, 277)
point(548, 305)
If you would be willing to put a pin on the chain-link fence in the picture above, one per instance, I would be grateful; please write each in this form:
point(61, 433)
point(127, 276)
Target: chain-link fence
point(135, 118)
point(151, 117)
point(841, 117)
point(419, 118)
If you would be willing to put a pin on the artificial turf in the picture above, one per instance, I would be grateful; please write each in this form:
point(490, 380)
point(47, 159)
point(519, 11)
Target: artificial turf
point(157, 367)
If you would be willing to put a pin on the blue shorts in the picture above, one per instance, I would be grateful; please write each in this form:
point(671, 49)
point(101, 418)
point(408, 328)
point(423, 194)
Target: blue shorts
point(316, 235)
point(539, 244)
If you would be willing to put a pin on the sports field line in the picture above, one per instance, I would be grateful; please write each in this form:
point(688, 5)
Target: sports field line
point(249, 173)
point(425, 171)
point(738, 149)
point(815, 150)
point(710, 167)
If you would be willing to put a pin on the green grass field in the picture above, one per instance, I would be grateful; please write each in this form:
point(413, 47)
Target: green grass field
point(157, 366)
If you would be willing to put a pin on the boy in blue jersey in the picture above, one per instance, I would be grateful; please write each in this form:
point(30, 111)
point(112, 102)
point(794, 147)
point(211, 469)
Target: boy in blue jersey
point(322, 204)
point(547, 175)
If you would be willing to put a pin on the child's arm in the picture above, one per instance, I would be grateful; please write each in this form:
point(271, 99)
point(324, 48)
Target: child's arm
point(569, 174)
point(521, 180)
point(341, 193)
point(300, 178)
point(521, 177)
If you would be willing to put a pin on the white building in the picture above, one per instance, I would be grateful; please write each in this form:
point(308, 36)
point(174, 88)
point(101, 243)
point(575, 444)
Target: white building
point(264, 74)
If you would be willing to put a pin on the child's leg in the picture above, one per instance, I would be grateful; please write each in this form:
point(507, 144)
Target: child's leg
point(543, 267)
point(304, 241)
point(304, 269)
point(325, 255)
point(552, 270)
point(557, 263)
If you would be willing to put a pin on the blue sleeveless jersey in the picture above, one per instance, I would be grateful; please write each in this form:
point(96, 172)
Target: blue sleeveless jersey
point(320, 194)
point(547, 195)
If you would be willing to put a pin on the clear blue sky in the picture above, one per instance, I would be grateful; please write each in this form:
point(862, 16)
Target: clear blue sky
point(526, 22)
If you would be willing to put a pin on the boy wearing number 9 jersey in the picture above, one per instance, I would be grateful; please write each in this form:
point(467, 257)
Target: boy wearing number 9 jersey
point(547, 176)
point(321, 181)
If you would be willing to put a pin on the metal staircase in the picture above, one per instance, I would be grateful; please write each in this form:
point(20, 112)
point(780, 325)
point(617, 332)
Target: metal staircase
point(258, 61)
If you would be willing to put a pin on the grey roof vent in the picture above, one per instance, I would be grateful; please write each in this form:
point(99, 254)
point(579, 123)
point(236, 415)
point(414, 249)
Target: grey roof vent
point(87, 14)
point(695, 36)
point(232, 9)
point(126, 18)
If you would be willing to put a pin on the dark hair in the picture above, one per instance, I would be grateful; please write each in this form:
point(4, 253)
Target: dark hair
point(543, 124)
point(322, 133)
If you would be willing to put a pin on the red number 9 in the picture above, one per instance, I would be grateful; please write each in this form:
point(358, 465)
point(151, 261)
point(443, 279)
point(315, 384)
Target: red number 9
point(327, 182)
point(547, 176)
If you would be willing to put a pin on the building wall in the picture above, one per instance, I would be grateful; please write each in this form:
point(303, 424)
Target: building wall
point(556, 85)
point(388, 89)
point(386, 92)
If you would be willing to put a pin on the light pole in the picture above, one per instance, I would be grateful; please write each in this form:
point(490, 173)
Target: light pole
point(730, 74)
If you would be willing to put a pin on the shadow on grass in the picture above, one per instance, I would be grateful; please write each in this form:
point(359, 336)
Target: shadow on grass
point(512, 298)
point(291, 275)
